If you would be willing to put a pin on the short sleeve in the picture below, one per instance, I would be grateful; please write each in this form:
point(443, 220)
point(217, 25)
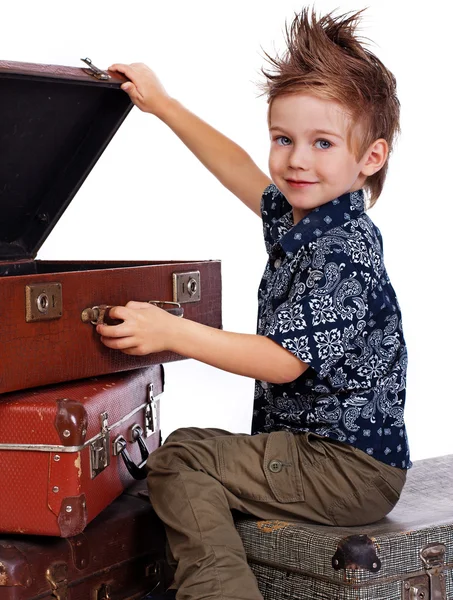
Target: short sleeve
point(322, 314)
point(273, 206)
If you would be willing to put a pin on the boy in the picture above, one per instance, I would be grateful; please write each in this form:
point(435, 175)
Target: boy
point(329, 357)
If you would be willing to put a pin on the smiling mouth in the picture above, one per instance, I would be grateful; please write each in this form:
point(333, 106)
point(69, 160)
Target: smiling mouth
point(295, 183)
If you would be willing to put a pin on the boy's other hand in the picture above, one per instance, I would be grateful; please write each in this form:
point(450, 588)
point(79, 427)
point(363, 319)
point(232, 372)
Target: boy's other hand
point(144, 88)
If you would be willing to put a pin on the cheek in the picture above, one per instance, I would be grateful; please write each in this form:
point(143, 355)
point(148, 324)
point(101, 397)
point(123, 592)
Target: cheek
point(275, 162)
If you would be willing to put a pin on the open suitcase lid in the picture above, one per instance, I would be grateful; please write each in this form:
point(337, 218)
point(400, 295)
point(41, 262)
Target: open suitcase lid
point(55, 122)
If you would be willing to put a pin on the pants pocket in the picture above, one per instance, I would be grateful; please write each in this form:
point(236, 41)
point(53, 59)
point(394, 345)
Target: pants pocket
point(282, 468)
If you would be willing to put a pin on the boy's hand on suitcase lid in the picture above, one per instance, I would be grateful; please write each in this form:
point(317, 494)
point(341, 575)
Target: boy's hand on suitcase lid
point(144, 88)
point(145, 329)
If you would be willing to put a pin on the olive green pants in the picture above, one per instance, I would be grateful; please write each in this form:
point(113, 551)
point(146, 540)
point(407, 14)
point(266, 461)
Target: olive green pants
point(199, 475)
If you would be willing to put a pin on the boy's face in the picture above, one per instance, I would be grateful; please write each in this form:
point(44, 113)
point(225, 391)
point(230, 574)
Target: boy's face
point(310, 161)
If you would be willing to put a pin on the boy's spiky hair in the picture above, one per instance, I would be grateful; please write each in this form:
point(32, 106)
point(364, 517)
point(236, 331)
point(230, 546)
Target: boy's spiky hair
point(324, 57)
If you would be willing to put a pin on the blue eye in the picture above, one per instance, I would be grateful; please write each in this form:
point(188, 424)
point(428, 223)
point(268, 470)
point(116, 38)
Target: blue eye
point(283, 140)
point(322, 144)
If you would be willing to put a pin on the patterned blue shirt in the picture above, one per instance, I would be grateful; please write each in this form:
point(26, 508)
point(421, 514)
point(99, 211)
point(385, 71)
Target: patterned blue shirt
point(326, 297)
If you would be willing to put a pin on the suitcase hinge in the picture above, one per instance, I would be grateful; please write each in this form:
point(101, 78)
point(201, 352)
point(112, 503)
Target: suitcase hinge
point(432, 585)
point(150, 412)
point(57, 576)
point(100, 449)
point(95, 71)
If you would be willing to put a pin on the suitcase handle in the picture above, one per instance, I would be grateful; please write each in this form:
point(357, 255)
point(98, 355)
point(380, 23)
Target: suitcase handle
point(100, 315)
point(120, 448)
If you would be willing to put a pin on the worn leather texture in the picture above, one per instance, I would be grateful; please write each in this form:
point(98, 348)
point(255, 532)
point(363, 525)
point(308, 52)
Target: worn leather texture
point(298, 560)
point(57, 72)
point(122, 551)
point(52, 492)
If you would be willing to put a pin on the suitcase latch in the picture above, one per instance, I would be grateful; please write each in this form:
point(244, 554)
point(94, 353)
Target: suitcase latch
point(57, 576)
point(104, 592)
point(43, 301)
point(100, 448)
point(186, 287)
point(432, 585)
point(150, 412)
point(95, 71)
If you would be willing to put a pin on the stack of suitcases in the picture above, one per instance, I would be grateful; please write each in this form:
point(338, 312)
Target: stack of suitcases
point(77, 420)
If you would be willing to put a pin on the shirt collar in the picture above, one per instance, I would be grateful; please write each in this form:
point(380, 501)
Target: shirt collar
point(321, 219)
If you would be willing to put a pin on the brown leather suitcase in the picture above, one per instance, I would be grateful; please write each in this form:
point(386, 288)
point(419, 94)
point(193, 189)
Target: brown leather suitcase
point(55, 122)
point(120, 556)
point(68, 450)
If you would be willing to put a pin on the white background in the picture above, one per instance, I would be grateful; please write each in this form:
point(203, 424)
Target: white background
point(155, 201)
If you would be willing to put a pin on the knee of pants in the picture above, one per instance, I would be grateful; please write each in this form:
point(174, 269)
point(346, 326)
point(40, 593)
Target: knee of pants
point(173, 457)
point(179, 434)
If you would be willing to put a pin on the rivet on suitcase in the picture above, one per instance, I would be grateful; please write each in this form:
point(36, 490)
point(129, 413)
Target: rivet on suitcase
point(68, 450)
point(406, 556)
point(55, 122)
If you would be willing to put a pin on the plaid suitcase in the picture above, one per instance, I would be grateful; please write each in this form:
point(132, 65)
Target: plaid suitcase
point(406, 556)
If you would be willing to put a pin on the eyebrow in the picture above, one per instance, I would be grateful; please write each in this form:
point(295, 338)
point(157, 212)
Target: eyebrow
point(314, 131)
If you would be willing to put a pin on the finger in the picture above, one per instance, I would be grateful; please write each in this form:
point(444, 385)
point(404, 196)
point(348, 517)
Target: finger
point(135, 351)
point(119, 343)
point(120, 312)
point(138, 305)
point(114, 331)
point(121, 68)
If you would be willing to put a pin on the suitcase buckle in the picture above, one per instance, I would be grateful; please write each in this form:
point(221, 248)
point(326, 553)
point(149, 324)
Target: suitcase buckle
point(100, 448)
point(57, 576)
point(431, 586)
point(150, 412)
point(95, 71)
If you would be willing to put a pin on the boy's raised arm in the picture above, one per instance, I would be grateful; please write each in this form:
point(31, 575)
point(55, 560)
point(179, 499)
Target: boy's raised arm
point(232, 166)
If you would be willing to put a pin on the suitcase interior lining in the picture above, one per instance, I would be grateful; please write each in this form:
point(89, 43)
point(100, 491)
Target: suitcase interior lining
point(52, 132)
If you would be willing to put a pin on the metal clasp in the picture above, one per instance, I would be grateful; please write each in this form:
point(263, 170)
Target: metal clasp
point(95, 71)
point(104, 592)
point(100, 449)
point(175, 307)
point(432, 585)
point(57, 576)
point(151, 424)
point(43, 301)
point(186, 287)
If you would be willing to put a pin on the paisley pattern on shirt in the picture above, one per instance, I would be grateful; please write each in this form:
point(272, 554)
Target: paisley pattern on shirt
point(326, 297)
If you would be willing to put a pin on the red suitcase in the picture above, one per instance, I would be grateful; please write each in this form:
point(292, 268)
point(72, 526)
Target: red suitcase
point(67, 451)
point(120, 556)
point(55, 122)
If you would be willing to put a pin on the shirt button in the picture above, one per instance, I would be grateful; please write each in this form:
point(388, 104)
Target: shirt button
point(277, 263)
point(275, 466)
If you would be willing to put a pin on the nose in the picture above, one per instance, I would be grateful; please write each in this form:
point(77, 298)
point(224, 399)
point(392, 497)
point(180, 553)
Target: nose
point(299, 157)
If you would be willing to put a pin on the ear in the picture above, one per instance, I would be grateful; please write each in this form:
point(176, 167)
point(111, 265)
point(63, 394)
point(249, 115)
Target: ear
point(375, 157)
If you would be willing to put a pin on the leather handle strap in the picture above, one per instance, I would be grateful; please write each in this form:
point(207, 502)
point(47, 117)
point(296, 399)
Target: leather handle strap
point(100, 315)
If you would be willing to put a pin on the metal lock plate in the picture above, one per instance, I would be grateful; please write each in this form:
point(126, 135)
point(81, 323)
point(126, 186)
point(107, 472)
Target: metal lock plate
point(100, 449)
point(416, 588)
point(43, 301)
point(186, 287)
point(151, 425)
point(57, 576)
point(431, 586)
point(104, 592)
